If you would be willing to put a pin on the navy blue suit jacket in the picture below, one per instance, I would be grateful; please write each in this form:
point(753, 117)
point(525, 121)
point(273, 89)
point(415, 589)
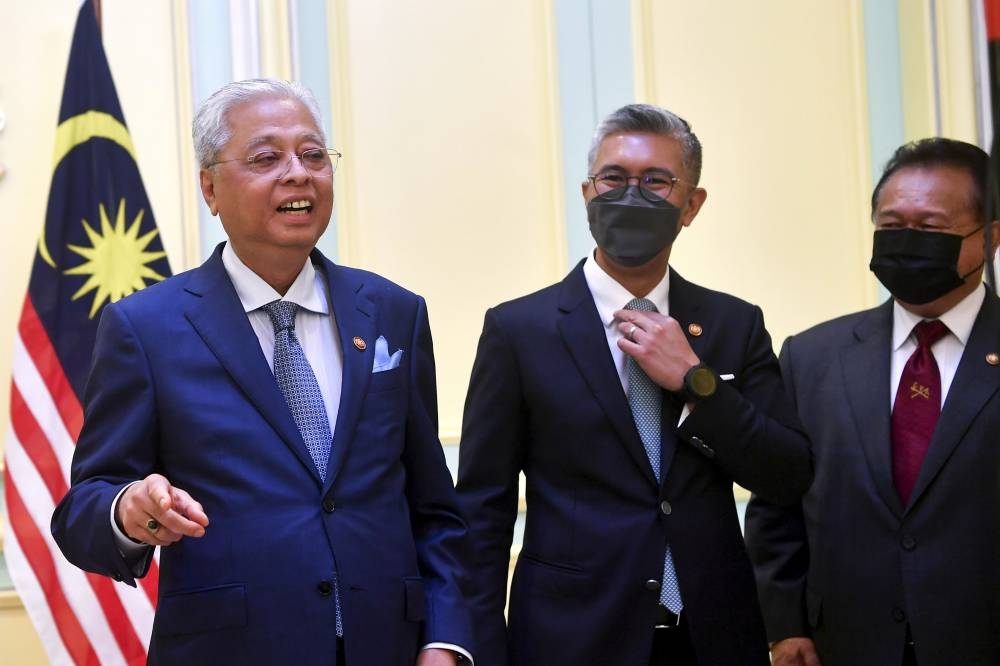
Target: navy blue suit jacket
point(180, 386)
point(851, 566)
point(545, 398)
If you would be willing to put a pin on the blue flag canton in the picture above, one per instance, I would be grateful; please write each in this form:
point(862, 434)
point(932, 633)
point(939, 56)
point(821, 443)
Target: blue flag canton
point(100, 241)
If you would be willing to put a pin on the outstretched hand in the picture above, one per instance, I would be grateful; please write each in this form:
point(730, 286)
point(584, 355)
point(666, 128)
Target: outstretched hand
point(156, 513)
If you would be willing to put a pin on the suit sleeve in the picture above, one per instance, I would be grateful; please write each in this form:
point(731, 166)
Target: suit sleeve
point(751, 430)
point(117, 446)
point(438, 527)
point(491, 459)
point(777, 544)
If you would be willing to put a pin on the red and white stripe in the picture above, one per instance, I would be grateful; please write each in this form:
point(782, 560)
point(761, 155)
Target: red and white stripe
point(81, 618)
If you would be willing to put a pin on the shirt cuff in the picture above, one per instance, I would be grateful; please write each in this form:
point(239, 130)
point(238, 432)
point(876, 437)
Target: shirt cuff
point(129, 549)
point(464, 657)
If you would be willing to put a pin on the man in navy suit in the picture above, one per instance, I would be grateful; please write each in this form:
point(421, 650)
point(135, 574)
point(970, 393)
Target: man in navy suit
point(632, 400)
point(270, 421)
point(891, 556)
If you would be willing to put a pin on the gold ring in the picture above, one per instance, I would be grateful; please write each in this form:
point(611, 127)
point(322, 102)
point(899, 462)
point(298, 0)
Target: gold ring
point(152, 525)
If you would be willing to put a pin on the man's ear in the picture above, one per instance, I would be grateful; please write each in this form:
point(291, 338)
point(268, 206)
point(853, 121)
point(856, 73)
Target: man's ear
point(694, 203)
point(208, 190)
point(994, 231)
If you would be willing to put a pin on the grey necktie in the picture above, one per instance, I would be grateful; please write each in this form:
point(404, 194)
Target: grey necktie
point(644, 397)
point(298, 385)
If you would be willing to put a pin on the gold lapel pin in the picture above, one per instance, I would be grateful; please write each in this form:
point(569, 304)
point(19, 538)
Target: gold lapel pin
point(993, 358)
point(695, 329)
point(359, 342)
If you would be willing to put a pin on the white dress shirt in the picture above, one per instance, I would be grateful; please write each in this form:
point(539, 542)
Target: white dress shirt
point(609, 296)
point(947, 351)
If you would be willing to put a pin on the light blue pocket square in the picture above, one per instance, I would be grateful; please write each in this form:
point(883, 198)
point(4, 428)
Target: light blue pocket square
point(383, 361)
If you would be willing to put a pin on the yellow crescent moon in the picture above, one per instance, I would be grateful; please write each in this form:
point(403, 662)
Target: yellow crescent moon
point(76, 131)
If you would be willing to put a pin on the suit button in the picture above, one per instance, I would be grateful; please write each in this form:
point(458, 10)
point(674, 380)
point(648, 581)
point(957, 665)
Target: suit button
point(328, 505)
point(909, 543)
point(898, 615)
point(666, 508)
point(325, 587)
point(652, 584)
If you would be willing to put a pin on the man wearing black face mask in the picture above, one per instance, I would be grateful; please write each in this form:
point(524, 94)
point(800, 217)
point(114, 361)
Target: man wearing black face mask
point(891, 558)
point(631, 399)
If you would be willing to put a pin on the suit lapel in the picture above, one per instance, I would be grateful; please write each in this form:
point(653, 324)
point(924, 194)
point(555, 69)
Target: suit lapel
point(217, 316)
point(865, 366)
point(975, 382)
point(583, 333)
point(356, 315)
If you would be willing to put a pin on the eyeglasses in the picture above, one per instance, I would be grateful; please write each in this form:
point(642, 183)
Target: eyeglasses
point(319, 162)
point(653, 185)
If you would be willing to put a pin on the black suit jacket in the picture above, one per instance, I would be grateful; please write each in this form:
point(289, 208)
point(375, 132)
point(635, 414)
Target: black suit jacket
point(851, 566)
point(546, 398)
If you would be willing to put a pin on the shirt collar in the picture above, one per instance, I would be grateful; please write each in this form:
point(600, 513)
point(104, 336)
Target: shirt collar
point(959, 319)
point(306, 291)
point(609, 295)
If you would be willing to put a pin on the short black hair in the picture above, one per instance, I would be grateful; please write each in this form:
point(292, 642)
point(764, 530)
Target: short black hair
point(939, 151)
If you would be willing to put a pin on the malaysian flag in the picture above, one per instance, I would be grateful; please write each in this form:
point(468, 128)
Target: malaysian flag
point(99, 244)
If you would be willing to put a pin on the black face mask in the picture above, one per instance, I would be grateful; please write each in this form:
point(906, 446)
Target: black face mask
point(632, 230)
point(918, 266)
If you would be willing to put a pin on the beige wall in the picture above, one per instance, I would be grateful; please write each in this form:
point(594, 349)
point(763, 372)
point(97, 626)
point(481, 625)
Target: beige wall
point(783, 126)
point(450, 175)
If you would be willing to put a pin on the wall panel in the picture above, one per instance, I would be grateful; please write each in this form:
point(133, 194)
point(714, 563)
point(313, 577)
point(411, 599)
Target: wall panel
point(452, 161)
point(775, 91)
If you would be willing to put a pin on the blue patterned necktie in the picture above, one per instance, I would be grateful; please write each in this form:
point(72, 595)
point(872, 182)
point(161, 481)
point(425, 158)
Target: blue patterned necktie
point(644, 397)
point(298, 385)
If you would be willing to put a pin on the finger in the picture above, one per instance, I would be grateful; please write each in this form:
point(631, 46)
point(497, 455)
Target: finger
point(638, 317)
point(188, 507)
point(175, 522)
point(158, 491)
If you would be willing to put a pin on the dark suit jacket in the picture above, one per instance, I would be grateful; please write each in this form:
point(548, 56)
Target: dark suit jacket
point(851, 566)
point(180, 386)
point(546, 398)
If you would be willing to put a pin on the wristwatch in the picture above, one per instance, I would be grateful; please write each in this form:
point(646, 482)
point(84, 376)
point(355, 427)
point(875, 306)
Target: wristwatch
point(700, 382)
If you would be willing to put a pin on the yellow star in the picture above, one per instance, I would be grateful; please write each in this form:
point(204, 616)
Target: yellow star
point(116, 261)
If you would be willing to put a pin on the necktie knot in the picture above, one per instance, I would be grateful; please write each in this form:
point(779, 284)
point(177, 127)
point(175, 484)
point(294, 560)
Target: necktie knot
point(282, 314)
point(930, 331)
point(643, 304)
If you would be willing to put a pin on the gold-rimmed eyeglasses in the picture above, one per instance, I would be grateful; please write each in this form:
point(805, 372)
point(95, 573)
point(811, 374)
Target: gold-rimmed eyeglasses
point(319, 162)
point(654, 185)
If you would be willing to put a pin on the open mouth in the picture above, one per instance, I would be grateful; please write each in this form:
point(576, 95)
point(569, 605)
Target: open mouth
point(295, 207)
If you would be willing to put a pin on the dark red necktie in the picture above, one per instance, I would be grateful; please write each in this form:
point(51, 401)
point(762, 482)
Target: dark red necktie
point(917, 408)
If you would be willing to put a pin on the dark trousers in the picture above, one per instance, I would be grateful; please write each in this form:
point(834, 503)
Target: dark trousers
point(672, 646)
point(340, 652)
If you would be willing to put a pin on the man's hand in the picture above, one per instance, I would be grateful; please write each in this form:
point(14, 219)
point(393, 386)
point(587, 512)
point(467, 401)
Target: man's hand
point(794, 652)
point(156, 513)
point(436, 657)
point(658, 345)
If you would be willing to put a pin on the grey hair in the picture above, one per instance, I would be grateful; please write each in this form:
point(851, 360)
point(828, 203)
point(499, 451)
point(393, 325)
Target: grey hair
point(211, 130)
point(647, 118)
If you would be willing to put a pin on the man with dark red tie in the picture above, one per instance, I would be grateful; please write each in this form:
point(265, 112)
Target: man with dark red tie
point(892, 556)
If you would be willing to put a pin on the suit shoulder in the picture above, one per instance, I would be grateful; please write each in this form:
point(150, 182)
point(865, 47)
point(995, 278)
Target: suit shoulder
point(371, 281)
point(833, 332)
point(529, 305)
point(714, 298)
point(155, 296)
